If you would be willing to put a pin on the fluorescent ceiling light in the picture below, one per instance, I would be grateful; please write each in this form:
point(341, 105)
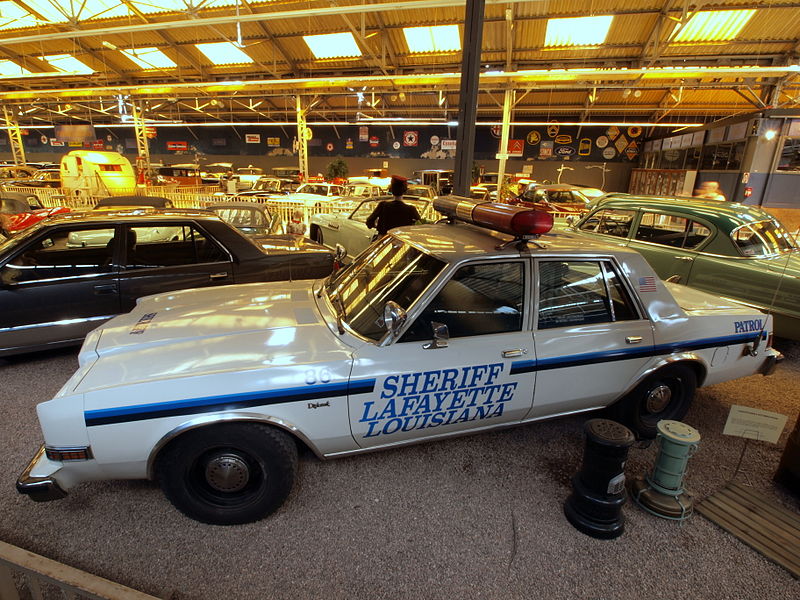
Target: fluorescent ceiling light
point(9, 68)
point(332, 45)
point(714, 25)
point(440, 38)
point(67, 63)
point(224, 53)
point(578, 31)
point(149, 58)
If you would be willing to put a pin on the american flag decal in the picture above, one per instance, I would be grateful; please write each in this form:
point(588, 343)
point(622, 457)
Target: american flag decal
point(647, 284)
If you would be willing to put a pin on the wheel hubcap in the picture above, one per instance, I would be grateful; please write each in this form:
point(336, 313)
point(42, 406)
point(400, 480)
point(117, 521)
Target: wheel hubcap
point(658, 398)
point(227, 473)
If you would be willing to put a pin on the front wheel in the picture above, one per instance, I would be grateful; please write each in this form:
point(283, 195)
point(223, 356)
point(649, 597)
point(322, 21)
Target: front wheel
point(666, 394)
point(228, 474)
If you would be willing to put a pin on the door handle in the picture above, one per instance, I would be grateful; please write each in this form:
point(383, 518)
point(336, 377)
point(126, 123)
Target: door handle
point(215, 276)
point(633, 339)
point(102, 290)
point(515, 352)
point(685, 258)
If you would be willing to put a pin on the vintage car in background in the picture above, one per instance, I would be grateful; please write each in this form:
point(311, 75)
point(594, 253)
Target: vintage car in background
point(248, 176)
point(19, 211)
point(41, 178)
point(212, 173)
point(553, 197)
point(363, 190)
point(267, 186)
point(350, 229)
point(477, 192)
point(64, 276)
point(320, 189)
point(726, 248)
point(250, 218)
point(16, 172)
point(434, 331)
point(421, 191)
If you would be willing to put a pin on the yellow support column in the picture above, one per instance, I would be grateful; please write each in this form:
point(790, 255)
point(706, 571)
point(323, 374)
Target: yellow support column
point(14, 136)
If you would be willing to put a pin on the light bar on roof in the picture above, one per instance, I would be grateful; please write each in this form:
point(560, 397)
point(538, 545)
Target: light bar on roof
point(149, 58)
point(11, 69)
point(332, 45)
point(714, 25)
point(67, 63)
point(577, 31)
point(224, 53)
point(438, 38)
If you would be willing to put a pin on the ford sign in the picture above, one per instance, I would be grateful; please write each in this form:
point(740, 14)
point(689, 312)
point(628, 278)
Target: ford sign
point(565, 150)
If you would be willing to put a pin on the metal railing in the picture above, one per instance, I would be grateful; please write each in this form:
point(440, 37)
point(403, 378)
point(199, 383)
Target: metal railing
point(38, 577)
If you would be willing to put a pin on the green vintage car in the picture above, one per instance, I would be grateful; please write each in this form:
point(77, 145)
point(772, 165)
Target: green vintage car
point(727, 248)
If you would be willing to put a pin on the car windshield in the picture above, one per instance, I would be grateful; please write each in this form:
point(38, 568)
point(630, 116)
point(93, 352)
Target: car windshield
point(762, 239)
point(388, 270)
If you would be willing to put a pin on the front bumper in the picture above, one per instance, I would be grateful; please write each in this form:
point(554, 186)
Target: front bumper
point(40, 489)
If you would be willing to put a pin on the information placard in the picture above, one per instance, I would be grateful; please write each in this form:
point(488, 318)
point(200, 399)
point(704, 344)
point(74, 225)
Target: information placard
point(754, 424)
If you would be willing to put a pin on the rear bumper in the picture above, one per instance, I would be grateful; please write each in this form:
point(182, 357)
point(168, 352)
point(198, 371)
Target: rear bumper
point(39, 489)
point(771, 362)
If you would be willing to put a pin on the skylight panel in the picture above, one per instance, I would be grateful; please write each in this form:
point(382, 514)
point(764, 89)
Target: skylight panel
point(439, 38)
point(67, 63)
point(714, 25)
point(13, 16)
point(100, 9)
point(161, 6)
point(223, 53)
point(149, 58)
point(577, 31)
point(332, 45)
point(51, 12)
point(10, 69)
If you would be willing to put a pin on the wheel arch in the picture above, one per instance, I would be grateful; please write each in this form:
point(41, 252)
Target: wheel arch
point(216, 419)
point(690, 359)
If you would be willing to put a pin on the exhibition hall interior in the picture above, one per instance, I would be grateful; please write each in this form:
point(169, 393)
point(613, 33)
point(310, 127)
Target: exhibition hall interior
point(415, 299)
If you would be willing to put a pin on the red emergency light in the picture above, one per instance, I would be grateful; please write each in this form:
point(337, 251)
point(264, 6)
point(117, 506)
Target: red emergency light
point(517, 220)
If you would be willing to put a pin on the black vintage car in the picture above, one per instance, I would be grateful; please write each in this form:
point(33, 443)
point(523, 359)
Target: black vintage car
point(62, 277)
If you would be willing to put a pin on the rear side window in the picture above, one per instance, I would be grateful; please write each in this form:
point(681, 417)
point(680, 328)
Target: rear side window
point(609, 221)
point(574, 293)
point(671, 230)
point(165, 245)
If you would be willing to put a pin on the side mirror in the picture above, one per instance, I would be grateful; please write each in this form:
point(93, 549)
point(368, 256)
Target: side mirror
point(441, 336)
point(394, 316)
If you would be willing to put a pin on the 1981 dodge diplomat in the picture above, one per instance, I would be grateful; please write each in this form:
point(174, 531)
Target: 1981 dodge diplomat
point(432, 332)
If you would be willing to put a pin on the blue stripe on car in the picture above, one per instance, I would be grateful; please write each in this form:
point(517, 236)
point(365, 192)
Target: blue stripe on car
point(141, 412)
point(560, 362)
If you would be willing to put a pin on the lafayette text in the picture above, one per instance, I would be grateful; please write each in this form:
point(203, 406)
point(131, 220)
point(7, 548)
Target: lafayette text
point(437, 398)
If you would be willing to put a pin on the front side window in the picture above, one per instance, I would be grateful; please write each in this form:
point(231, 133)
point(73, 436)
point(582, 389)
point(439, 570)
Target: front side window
point(60, 254)
point(479, 299)
point(609, 221)
point(165, 245)
point(574, 293)
point(388, 270)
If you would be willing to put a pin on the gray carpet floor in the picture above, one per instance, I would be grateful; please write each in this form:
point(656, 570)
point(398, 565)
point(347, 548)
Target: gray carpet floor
point(475, 517)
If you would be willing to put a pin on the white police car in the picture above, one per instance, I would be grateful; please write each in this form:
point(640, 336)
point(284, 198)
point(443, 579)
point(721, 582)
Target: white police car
point(432, 332)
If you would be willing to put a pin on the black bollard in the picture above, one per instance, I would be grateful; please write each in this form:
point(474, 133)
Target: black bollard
point(598, 489)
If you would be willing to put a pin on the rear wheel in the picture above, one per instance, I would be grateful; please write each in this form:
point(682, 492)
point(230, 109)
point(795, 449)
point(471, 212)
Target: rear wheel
point(316, 234)
point(666, 394)
point(228, 474)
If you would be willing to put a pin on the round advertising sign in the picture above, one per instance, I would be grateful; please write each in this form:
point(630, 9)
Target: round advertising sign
point(329, 147)
point(434, 140)
point(396, 145)
point(609, 153)
point(601, 141)
point(533, 137)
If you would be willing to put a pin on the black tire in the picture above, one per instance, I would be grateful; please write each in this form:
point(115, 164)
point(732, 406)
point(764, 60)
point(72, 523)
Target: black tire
point(666, 394)
point(228, 474)
point(316, 234)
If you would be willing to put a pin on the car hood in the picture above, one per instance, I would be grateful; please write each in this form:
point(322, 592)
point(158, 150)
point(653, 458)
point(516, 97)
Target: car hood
point(210, 330)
